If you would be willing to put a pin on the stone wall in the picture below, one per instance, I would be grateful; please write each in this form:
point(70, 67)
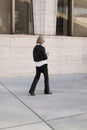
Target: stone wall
point(66, 55)
point(45, 16)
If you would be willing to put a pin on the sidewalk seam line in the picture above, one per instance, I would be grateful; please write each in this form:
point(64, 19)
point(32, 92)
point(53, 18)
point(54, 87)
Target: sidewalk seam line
point(27, 106)
point(20, 125)
point(65, 117)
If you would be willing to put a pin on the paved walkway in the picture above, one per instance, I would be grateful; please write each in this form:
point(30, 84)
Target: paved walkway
point(65, 109)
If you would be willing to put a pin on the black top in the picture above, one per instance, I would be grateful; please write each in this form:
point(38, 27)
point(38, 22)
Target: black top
point(39, 53)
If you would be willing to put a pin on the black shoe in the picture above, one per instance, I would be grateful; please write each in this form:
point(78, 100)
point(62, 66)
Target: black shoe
point(32, 94)
point(48, 93)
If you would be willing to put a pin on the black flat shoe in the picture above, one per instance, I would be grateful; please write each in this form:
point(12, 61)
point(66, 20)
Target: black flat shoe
point(32, 94)
point(48, 93)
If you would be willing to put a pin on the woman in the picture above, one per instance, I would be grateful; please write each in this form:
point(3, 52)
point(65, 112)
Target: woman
point(40, 58)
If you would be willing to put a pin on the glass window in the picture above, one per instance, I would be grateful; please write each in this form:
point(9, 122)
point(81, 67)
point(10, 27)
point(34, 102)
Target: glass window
point(80, 18)
point(5, 16)
point(16, 16)
point(23, 17)
point(62, 17)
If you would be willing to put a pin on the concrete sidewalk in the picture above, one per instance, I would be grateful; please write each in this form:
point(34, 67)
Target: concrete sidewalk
point(65, 109)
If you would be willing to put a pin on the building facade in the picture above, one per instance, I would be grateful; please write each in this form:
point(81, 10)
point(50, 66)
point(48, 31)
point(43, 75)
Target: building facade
point(57, 17)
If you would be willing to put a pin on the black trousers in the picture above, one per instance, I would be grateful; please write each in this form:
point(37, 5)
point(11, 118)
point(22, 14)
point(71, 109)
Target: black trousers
point(43, 69)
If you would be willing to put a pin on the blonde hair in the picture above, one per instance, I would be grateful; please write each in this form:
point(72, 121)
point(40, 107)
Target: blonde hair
point(40, 39)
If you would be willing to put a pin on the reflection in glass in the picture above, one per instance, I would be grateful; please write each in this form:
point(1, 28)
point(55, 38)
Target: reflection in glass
point(80, 18)
point(62, 17)
point(16, 16)
point(5, 16)
point(23, 17)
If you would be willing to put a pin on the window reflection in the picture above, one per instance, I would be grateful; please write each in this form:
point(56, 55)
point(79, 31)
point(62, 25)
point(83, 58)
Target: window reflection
point(23, 17)
point(16, 16)
point(5, 16)
point(80, 18)
point(62, 17)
